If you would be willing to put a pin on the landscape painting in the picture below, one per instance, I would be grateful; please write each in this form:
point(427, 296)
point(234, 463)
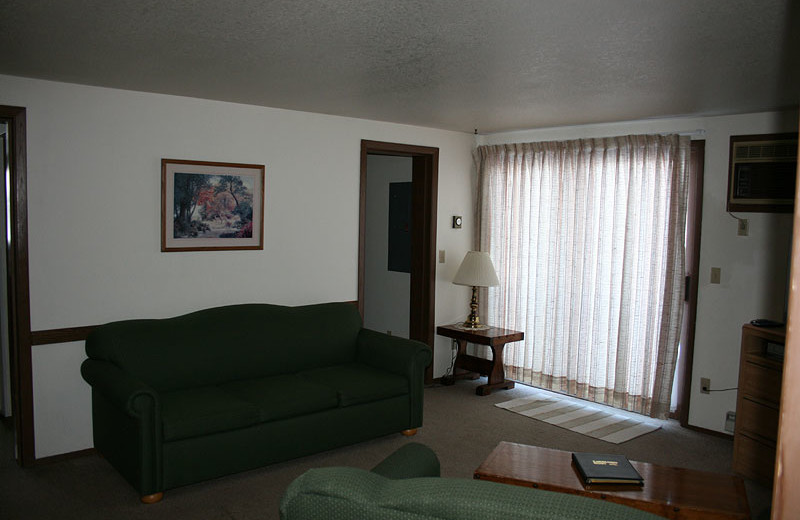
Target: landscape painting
point(211, 206)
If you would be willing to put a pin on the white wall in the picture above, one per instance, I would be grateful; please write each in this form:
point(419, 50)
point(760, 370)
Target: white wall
point(753, 267)
point(94, 218)
point(62, 411)
point(386, 293)
point(94, 215)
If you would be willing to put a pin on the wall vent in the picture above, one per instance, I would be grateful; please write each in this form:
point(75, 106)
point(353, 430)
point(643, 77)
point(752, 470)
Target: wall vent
point(775, 150)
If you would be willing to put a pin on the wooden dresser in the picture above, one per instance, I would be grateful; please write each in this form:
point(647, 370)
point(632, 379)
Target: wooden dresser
point(758, 402)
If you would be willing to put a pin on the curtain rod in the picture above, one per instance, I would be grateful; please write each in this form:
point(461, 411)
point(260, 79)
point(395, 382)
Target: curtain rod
point(691, 133)
point(699, 132)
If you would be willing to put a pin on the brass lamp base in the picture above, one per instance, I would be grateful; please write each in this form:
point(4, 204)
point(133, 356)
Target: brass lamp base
point(473, 321)
point(472, 326)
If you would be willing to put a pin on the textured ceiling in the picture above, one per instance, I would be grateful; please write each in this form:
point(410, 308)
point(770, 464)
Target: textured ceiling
point(454, 64)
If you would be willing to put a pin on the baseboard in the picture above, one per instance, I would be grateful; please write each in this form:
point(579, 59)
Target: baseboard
point(710, 432)
point(440, 381)
point(65, 456)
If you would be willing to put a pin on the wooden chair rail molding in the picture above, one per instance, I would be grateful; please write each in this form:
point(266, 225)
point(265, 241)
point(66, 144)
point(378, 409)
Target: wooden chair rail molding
point(70, 334)
point(53, 336)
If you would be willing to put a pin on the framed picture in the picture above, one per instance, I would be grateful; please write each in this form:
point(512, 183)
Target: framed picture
point(211, 206)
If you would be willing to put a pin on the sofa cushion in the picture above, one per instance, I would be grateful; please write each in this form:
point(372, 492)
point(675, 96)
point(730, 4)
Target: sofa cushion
point(279, 397)
point(357, 383)
point(193, 412)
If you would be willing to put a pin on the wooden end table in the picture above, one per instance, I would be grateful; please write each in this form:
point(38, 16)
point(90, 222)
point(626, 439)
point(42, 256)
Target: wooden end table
point(495, 338)
point(676, 493)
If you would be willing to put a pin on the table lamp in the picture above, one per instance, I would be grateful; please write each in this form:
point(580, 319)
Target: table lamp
point(476, 270)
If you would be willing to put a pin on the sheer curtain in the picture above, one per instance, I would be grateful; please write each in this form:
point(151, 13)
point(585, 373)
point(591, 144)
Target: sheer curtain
point(588, 240)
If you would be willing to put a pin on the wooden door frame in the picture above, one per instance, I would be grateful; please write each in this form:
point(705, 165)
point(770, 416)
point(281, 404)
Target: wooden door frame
point(19, 289)
point(694, 217)
point(785, 498)
point(424, 186)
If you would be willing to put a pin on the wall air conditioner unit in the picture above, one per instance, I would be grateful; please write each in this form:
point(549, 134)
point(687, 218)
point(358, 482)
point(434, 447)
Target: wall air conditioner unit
point(762, 172)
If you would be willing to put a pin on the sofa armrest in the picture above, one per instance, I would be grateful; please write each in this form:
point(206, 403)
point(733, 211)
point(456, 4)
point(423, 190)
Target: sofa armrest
point(398, 355)
point(401, 356)
point(410, 461)
point(126, 424)
point(130, 395)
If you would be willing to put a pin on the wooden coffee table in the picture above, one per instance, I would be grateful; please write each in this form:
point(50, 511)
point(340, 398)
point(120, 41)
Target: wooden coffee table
point(670, 492)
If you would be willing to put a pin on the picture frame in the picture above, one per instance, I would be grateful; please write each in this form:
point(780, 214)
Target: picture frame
point(211, 206)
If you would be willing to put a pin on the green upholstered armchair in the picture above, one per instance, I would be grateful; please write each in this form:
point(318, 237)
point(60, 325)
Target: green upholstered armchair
point(406, 485)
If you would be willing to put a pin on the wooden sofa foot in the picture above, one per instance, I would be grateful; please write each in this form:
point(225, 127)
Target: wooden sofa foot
point(409, 433)
point(152, 499)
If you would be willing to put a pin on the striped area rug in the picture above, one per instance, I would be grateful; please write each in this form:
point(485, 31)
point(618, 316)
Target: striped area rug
point(600, 422)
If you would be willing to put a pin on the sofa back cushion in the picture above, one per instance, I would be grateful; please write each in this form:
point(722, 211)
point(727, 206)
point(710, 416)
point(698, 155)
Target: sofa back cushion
point(229, 343)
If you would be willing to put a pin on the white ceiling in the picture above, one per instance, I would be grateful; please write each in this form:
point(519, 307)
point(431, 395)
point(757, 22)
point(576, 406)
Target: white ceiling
point(456, 64)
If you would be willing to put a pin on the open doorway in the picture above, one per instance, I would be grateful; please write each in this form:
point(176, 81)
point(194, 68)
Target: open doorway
point(16, 306)
point(387, 245)
point(424, 163)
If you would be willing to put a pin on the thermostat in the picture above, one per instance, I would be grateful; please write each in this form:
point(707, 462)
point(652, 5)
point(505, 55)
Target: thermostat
point(457, 222)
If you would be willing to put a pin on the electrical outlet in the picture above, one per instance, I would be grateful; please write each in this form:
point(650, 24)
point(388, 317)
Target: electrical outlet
point(705, 385)
point(743, 229)
point(730, 422)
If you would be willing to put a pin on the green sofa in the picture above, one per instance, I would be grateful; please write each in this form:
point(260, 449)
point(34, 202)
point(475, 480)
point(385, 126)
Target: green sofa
point(406, 486)
point(222, 390)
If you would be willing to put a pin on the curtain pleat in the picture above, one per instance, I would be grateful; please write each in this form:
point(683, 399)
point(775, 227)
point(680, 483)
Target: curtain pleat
point(588, 240)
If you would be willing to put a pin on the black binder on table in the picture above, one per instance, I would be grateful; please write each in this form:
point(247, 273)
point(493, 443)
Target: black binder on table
point(603, 468)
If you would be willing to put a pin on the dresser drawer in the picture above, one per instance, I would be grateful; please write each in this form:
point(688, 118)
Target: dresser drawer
point(753, 459)
point(758, 419)
point(761, 383)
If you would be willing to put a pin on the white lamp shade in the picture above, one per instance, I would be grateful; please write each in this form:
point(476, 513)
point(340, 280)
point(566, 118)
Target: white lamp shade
point(476, 270)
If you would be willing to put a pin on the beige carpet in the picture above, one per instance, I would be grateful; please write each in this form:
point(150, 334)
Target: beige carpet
point(461, 427)
point(597, 421)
